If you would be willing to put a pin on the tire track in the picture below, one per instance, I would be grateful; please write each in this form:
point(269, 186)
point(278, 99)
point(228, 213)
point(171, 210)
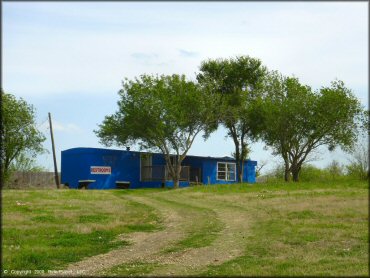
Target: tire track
point(143, 245)
point(147, 246)
point(228, 245)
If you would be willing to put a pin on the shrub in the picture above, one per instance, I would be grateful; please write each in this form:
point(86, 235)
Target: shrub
point(333, 171)
point(359, 163)
point(313, 173)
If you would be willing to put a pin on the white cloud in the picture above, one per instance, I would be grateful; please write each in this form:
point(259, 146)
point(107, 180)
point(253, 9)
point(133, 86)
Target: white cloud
point(316, 42)
point(60, 127)
point(86, 49)
point(188, 53)
point(69, 127)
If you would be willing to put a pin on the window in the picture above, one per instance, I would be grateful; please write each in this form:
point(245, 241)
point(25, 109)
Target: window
point(146, 166)
point(226, 171)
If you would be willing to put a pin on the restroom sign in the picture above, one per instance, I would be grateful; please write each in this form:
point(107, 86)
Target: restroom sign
point(100, 170)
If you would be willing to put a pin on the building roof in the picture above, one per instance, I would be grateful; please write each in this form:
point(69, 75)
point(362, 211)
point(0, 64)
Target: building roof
point(100, 150)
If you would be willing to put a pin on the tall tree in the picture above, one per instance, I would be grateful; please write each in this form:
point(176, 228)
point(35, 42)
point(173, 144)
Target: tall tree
point(359, 161)
point(236, 83)
point(297, 120)
point(19, 136)
point(162, 113)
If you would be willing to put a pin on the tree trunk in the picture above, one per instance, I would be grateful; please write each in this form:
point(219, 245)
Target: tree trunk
point(295, 176)
point(5, 173)
point(286, 175)
point(287, 168)
point(295, 173)
point(240, 171)
point(238, 158)
point(176, 178)
point(176, 183)
point(238, 163)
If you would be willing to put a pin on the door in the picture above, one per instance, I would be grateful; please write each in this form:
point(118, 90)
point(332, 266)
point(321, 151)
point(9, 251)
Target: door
point(145, 166)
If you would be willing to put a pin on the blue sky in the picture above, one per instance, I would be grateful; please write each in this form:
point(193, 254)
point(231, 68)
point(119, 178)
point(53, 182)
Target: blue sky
point(70, 58)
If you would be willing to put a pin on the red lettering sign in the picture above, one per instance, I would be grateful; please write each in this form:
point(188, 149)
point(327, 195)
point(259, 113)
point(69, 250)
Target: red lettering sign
point(102, 170)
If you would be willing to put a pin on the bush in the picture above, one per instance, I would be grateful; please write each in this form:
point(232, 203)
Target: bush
point(313, 173)
point(359, 163)
point(358, 171)
point(333, 171)
point(276, 174)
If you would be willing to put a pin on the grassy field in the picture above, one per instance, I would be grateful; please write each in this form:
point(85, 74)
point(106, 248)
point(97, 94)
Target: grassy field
point(261, 229)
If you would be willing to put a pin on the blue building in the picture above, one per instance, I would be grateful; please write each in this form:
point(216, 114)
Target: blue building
point(109, 169)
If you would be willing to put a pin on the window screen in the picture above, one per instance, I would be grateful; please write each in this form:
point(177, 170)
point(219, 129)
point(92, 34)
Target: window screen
point(226, 171)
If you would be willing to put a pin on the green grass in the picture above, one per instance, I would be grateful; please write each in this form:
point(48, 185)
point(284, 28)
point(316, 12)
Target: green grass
point(282, 186)
point(41, 231)
point(130, 269)
point(52, 248)
point(299, 247)
point(306, 233)
point(306, 228)
point(204, 228)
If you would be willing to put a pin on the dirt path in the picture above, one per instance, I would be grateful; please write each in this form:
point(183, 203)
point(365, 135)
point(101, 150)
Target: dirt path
point(143, 244)
point(147, 247)
point(226, 246)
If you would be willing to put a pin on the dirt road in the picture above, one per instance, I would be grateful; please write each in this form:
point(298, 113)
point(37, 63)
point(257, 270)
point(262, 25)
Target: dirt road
point(179, 224)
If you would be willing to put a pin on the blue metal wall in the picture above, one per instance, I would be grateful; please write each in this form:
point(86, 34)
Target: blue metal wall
point(250, 171)
point(76, 165)
point(125, 166)
point(209, 169)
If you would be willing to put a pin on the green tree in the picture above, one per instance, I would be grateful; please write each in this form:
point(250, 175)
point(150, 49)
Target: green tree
point(163, 113)
point(19, 136)
point(260, 166)
point(297, 121)
point(335, 169)
point(26, 163)
point(236, 84)
point(359, 161)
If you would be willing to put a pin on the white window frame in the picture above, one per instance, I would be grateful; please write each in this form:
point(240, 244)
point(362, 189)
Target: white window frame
point(226, 172)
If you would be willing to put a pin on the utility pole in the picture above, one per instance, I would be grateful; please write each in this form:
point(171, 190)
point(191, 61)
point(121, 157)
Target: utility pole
point(55, 159)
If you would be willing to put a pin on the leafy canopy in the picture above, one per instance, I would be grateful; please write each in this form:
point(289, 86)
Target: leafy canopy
point(19, 135)
point(162, 113)
point(236, 82)
point(297, 120)
point(157, 113)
